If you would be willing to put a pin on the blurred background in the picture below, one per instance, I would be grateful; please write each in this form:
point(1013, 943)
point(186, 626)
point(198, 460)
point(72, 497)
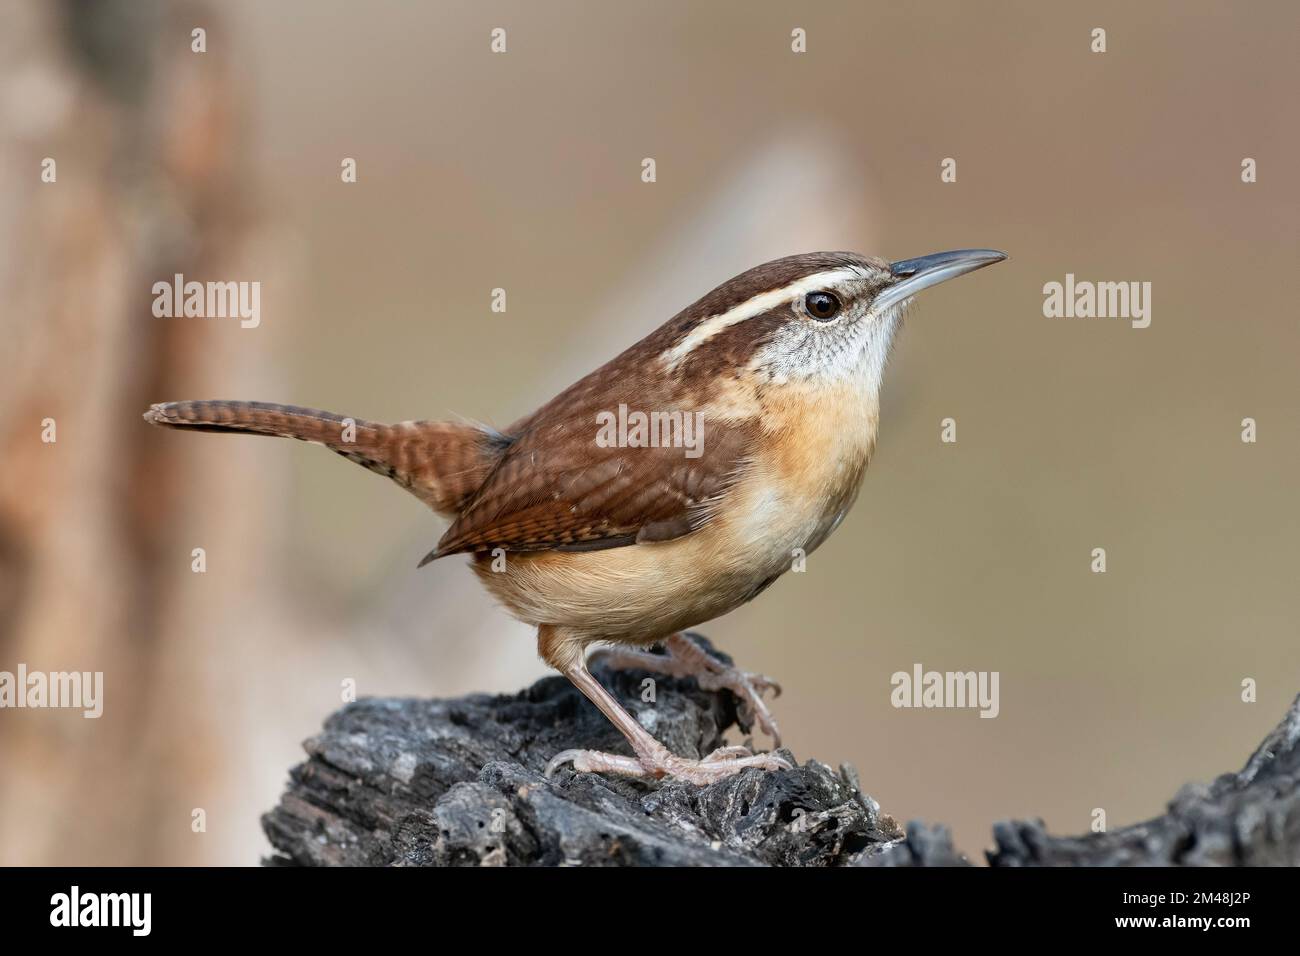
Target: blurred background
point(522, 171)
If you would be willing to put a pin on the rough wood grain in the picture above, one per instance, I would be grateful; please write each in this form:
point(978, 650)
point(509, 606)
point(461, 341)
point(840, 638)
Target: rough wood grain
point(1248, 818)
point(459, 782)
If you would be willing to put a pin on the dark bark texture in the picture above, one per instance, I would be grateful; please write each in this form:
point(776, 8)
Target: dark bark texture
point(460, 782)
point(1247, 818)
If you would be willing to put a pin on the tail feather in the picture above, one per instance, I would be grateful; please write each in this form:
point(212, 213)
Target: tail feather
point(441, 463)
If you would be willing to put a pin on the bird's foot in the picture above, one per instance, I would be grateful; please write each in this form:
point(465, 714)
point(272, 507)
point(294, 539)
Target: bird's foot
point(719, 765)
point(749, 688)
point(686, 658)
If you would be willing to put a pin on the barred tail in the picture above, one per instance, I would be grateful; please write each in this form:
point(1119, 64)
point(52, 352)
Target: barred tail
point(442, 463)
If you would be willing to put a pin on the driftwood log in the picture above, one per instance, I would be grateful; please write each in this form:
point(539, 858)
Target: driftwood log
point(459, 782)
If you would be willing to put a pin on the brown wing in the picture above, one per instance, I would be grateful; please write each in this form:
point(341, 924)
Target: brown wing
point(557, 489)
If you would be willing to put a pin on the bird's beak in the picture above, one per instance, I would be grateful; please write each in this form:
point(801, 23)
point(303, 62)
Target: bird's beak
point(913, 275)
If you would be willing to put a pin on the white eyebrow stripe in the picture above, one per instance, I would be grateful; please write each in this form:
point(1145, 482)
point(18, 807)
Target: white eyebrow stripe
point(751, 307)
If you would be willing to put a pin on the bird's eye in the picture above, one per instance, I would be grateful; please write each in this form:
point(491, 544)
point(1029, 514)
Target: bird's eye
point(822, 306)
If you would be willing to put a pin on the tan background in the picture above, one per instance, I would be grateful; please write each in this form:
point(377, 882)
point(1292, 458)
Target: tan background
point(522, 171)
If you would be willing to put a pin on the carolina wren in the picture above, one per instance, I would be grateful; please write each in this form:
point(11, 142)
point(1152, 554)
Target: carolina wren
point(631, 541)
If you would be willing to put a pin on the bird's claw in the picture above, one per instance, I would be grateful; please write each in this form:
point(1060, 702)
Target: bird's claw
point(749, 689)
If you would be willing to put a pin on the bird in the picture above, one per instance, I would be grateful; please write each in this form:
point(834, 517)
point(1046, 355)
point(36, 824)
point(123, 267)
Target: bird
point(666, 488)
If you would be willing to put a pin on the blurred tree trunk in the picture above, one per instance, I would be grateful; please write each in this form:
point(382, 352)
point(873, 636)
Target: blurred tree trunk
point(146, 137)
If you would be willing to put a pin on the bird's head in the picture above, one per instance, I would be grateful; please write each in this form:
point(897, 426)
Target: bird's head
point(816, 318)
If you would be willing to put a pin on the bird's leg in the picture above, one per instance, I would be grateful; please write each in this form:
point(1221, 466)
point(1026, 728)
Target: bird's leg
point(685, 658)
point(653, 760)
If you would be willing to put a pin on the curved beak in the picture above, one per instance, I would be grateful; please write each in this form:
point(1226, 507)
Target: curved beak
point(913, 275)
